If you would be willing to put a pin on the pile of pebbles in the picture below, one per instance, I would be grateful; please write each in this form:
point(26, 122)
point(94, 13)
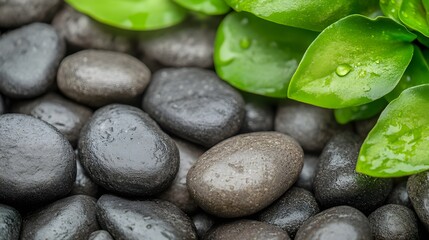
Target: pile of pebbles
point(107, 136)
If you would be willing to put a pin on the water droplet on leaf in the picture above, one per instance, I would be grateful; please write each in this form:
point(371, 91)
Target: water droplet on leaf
point(245, 43)
point(343, 69)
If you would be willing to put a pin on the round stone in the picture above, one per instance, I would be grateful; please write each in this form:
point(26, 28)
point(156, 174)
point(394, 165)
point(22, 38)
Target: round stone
point(202, 222)
point(291, 210)
point(393, 222)
point(258, 117)
point(69, 218)
point(244, 174)
point(418, 192)
point(83, 185)
point(399, 195)
point(194, 104)
point(337, 183)
point(246, 229)
point(306, 177)
point(311, 126)
point(132, 219)
point(342, 222)
point(29, 59)
point(65, 115)
point(82, 32)
point(100, 235)
point(123, 150)
point(97, 77)
point(10, 223)
point(178, 193)
point(37, 163)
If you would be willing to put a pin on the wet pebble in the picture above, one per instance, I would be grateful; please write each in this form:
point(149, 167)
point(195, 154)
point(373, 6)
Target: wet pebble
point(311, 126)
point(393, 222)
point(97, 77)
point(202, 222)
point(399, 195)
point(364, 126)
point(83, 185)
point(124, 150)
point(69, 218)
point(246, 229)
point(37, 163)
point(81, 31)
point(194, 104)
point(244, 174)
point(10, 223)
point(291, 210)
point(29, 58)
point(337, 183)
point(306, 177)
point(17, 13)
point(258, 117)
point(65, 115)
point(418, 192)
point(127, 219)
point(100, 235)
point(342, 222)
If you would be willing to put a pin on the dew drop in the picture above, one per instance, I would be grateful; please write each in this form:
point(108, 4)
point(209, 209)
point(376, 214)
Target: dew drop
point(343, 69)
point(245, 43)
point(366, 88)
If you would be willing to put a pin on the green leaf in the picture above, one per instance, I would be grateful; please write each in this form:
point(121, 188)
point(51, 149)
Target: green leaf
point(391, 8)
point(209, 7)
point(352, 62)
point(132, 14)
point(308, 14)
point(399, 142)
point(416, 74)
point(258, 56)
point(346, 115)
point(413, 15)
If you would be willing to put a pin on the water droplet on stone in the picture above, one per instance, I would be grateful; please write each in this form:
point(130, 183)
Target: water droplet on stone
point(343, 69)
point(245, 43)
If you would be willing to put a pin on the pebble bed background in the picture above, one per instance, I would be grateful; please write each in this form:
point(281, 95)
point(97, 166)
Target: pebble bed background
point(107, 136)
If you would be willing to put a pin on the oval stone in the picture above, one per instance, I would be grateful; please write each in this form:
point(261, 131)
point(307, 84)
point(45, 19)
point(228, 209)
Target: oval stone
point(83, 185)
point(100, 235)
point(342, 222)
point(151, 220)
point(97, 77)
point(69, 218)
point(399, 195)
point(308, 172)
point(124, 150)
point(10, 223)
point(244, 174)
point(37, 163)
point(418, 192)
point(258, 117)
point(203, 222)
point(29, 59)
point(194, 104)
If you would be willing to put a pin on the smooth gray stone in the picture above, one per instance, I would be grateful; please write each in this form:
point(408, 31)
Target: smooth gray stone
point(399, 195)
point(83, 185)
point(100, 235)
point(418, 192)
point(10, 223)
point(258, 117)
point(306, 177)
point(203, 222)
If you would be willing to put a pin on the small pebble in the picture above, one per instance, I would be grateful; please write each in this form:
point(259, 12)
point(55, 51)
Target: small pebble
point(65, 115)
point(393, 222)
point(245, 173)
point(399, 195)
point(291, 210)
point(342, 223)
point(308, 172)
point(311, 126)
point(10, 223)
point(194, 104)
point(100, 235)
point(97, 77)
point(29, 59)
point(83, 185)
point(123, 150)
point(364, 126)
point(203, 222)
point(246, 229)
point(82, 32)
point(258, 117)
point(69, 218)
point(127, 219)
point(337, 183)
point(418, 192)
point(37, 163)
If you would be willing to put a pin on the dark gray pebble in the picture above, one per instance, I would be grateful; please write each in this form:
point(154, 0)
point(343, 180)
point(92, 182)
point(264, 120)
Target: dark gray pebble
point(29, 59)
point(81, 31)
point(37, 163)
point(306, 177)
point(194, 104)
point(135, 220)
point(399, 195)
point(10, 223)
point(258, 117)
point(337, 183)
point(15, 13)
point(364, 126)
point(97, 77)
point(2, 107)
point(244, 174)
point(311, 126)
point(291, 210)
point(337, 223)
point(65, 115)
point(83, 185)
point(123, 150)
point(69, 218)
point(100, 235)
point(418, 192)
point(246, 229)
point(203, 222)
point(178, 193)
point(393, 222)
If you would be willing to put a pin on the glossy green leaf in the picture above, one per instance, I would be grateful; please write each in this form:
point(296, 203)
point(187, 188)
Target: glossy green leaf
point(258, 56)
point(132, 14)
point(210, 7)
point(346, 115)
point(413, 15)
point(399, 142)
point(308, 14)
point(417, 73)
point(391, 8)
point(352, 62)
